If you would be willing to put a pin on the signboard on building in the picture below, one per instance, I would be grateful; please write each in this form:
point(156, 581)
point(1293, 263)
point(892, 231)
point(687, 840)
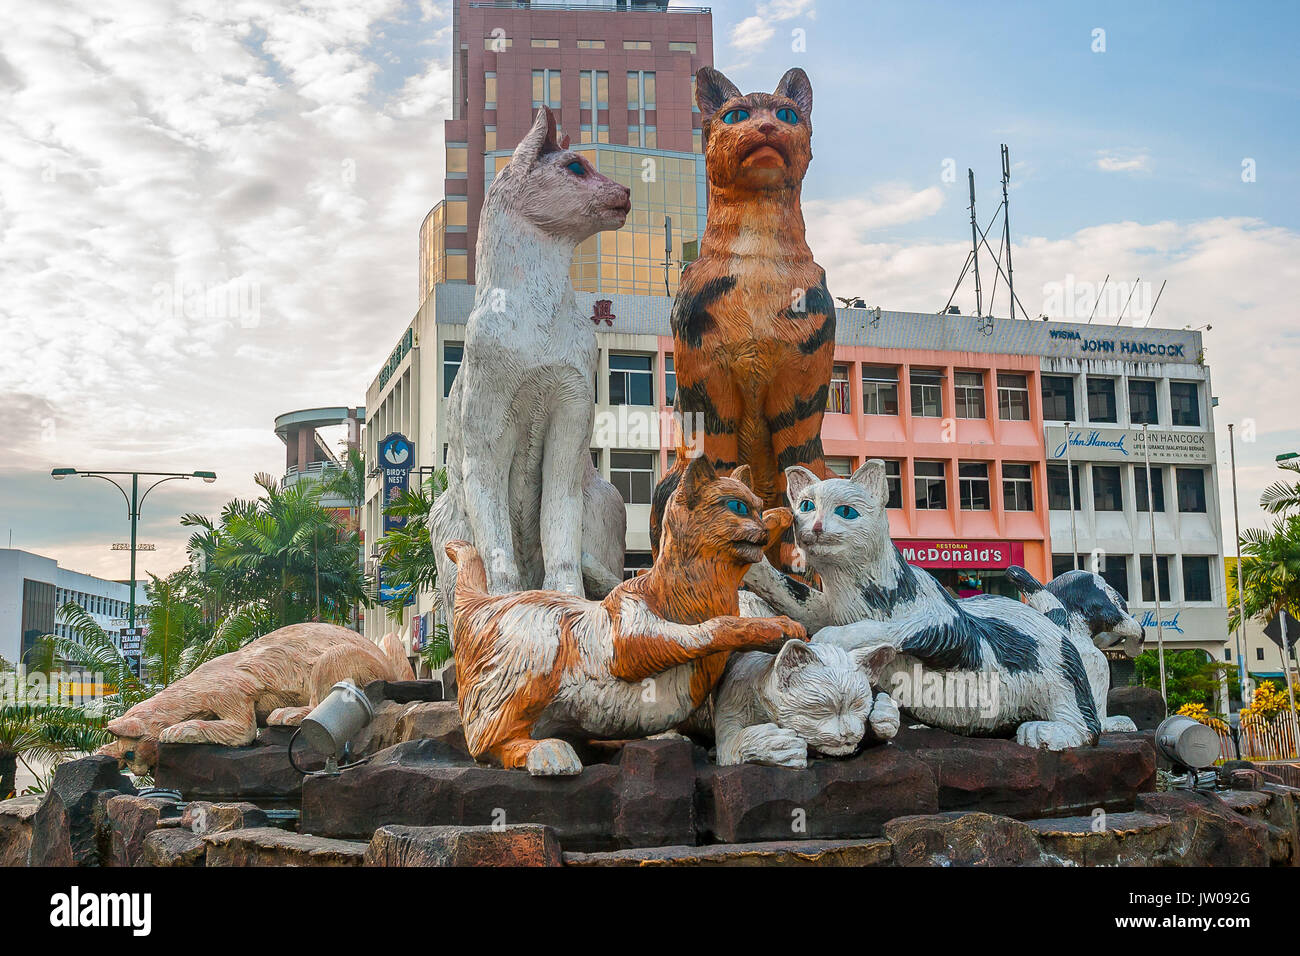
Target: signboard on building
point(963, 554)
point(131, 640)
point(396, 459)
point(1125, 444)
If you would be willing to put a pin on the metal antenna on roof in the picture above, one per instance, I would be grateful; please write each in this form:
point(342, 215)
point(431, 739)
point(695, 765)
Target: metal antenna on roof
point(975, 244)
point(1006, 224)
point(1098, 302)
point(1136, 283)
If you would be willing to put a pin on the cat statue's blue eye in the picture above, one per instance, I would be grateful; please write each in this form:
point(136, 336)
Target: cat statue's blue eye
point(806, 505)
point(739, 507)
point(787, 115)
point(735, 116)
point(577, 168)
point(844, 511)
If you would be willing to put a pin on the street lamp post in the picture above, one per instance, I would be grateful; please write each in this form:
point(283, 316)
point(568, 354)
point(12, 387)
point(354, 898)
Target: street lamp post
point(134, 501)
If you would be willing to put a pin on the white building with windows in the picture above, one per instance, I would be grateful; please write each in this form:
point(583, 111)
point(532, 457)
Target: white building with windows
point(1094, 409)
point(34, 587)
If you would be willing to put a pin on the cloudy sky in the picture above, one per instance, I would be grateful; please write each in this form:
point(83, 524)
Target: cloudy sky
point(279, 156)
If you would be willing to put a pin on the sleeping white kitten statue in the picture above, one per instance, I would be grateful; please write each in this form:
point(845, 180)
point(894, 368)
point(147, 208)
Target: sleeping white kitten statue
point(774, 708)
point(999, 666)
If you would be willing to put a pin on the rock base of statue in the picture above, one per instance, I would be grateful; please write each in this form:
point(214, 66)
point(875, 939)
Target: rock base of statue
point(652, 793)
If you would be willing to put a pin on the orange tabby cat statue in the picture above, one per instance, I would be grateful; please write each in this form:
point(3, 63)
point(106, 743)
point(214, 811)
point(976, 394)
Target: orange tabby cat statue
point(539, 666)
point(753, 322)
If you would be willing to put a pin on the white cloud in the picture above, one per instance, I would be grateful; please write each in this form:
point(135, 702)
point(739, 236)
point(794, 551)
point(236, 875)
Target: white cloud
point(1123, 161)
point(752, 33)
point(207, 217)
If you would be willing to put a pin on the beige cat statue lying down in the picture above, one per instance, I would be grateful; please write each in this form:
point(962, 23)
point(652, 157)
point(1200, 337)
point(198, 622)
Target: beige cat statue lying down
point(274, 680)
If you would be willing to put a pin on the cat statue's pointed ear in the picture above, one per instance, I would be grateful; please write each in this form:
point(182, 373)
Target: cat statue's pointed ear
point(538, 141)
point(872, 661)
point(871, 476)
point(699, 474)
point(792, 656)
point(712, 89)
point(744, 476)
point(797, 479)
point(796, 86)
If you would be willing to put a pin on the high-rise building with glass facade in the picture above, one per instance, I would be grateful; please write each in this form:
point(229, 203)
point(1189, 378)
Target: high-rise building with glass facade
point(619, 75)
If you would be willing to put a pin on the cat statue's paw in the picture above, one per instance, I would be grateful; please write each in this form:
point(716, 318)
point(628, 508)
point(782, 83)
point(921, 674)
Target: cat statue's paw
point(1049, 735)
point(553, 758)
point(774, 746)
point(885, 719)
point(1119, 724)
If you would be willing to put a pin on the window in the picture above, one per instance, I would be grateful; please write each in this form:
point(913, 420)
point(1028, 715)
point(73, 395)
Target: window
point(1114, 571)
point(973, 485)
point(681, 46)
point(1157, 486)
point(1148, 596)
point(670, 380)
point(636, 44)
point(969, 388)
point(631, 380)
point(839, 467)
point(545, 44)
point(634, 562)
point(1065, 562)
point(1058, 398)
point(1259, 653)
point(931, 486)
point(591, 44)
point(1191, 489)
point(1196, 578)
point(1013, 397)
point(837, 399)
point(489, 91)
point(1101, 400)
point(640, 89)
point(927, 392)
point(489, 138)
point(1142, 401)
point(1058, 488)
point(546, 89)
point(1185, 403)
point(894, 483)
point(1107, 494)
point(497, 44)
point(452, 356)
point(1017, 487)
point(457, 159)
point(633, 474)
point(879, 390)
point(596, 81)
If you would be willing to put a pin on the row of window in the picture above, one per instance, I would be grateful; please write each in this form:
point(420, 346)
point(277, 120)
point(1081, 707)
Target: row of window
point(880, 392)
point(1109, 485)
point(91, 603)
point(1100, 394)
point(1196, 577)
point(498, 44)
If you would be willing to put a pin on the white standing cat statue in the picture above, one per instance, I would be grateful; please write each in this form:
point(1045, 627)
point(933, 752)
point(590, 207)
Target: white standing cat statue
point(520, 483)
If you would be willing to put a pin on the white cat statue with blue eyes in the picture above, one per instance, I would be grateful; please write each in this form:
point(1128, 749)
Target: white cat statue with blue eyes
point(983, 666)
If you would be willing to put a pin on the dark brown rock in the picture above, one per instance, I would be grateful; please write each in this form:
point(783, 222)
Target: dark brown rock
point(267, 846)
point(1143, 705)
point(962, 839)
point(1109, 839)
point(1001, 777)
point(202, 818)
point(130, 820)
point(831, 799)
point(430, 782)
point(1207, 832)
point(519, 845)
point(172, 847)
point(432, 721)
point(212, 772)
point(70, 826)
point(16, 828)
point(874, 851)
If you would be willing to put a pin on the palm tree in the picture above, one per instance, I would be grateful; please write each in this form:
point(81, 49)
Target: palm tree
point(46, 733)
point(348, 481)
point(1281, 497)
point(1270, 570)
